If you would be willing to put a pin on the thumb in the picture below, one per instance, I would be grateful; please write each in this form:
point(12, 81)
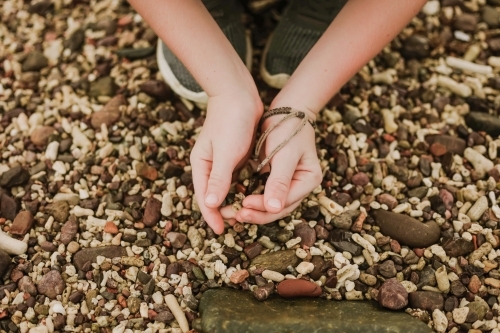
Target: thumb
point(278, 184)
point(219, 181)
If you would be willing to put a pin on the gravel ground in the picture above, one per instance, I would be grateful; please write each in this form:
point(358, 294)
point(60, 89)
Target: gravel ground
point(101, 231)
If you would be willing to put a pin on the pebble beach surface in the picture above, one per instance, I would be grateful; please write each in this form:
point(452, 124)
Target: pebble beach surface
point(100, 231)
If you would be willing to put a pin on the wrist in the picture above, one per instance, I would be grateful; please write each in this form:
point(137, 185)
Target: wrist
point(310, 113)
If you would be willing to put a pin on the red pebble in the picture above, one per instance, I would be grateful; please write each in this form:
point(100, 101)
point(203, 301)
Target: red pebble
point(298, 288)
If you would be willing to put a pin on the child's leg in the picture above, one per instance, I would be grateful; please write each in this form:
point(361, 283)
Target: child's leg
point(301, 26)
point(227, 14)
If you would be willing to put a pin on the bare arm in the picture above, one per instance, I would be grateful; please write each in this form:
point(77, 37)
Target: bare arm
point(194, 37)
point(358, 33)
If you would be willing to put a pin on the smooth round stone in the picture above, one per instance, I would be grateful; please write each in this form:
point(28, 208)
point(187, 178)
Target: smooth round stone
point(393, 295)
point(298, 288)
point(407, 230)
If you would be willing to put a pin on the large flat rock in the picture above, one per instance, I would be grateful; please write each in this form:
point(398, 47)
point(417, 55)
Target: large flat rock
point(228, 311)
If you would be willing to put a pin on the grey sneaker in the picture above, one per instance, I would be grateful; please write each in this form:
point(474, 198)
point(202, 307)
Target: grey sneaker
point(227, 14)
point(302, 24)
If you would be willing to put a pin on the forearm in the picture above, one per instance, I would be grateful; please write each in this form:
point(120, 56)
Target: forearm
point(357, 34)
point(195, 38)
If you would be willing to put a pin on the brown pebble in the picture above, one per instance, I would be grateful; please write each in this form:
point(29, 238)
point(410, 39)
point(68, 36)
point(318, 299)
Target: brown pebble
point(146, 171)
point(388, 200)
point(357, 226)
point(152, 212)
point(40, 135)
point(474, 284)
point(437, 149)
point(298, 288)
point(22, 223)
point(110, 228)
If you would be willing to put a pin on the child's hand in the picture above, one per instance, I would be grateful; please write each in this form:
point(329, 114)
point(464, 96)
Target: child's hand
point(295, 172)
point(223, 144)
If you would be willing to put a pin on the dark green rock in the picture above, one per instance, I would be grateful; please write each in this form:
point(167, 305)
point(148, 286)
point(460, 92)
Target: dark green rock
point(276, 261)
point(227, 311)
point(480, 121)
point(134, 54)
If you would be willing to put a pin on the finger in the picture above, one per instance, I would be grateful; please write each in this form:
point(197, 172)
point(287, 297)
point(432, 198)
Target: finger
point(302, 184)
point(279, 181)
point(260, 217)
point(228, 212)
point(219, 180)
point(201, 172)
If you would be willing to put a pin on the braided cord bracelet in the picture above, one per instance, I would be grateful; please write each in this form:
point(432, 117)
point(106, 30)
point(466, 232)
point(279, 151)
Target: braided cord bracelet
point(289, 114)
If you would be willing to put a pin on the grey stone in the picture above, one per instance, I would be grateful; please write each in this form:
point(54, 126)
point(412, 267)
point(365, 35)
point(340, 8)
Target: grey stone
point(227, 311)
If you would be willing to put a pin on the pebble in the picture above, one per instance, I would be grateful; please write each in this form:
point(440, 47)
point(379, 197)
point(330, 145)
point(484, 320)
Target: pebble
point(59, 210)
point(13, 177)
point(152, 212)
point(22, 223)
point(195, 238)
point(478, 209)
point(239, 276)
point(51, 285)
point(482, 251)
point(458, 247)
point(177, 239)
point(104, 86)
point(480, 121)
point(481, 164)
point(69, 229)
point(450, 143)
point(306, 233)
point(345, 220)
point(342, 241)
point(387, 269)
point(407, 230)
point(34, 62)
point(90, 254)
point(276, 261)
point(440, 321)
point(173, 305)
point(304, 268)
point(298, 288)
point(272, 275)
point(109, 114)
point(479, 307)
point(146, 171)
point(426, 300)
point(392, 295)
point(41, 134)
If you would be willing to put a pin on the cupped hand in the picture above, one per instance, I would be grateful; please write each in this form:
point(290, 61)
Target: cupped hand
point(224, 144)
point(294, 173)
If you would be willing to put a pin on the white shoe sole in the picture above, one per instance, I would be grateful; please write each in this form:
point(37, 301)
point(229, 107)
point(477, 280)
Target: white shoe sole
point(200, 98)
point(273, 80)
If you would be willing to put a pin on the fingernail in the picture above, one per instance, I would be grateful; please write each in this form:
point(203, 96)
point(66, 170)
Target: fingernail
point(275, 203)
point(211, 199)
